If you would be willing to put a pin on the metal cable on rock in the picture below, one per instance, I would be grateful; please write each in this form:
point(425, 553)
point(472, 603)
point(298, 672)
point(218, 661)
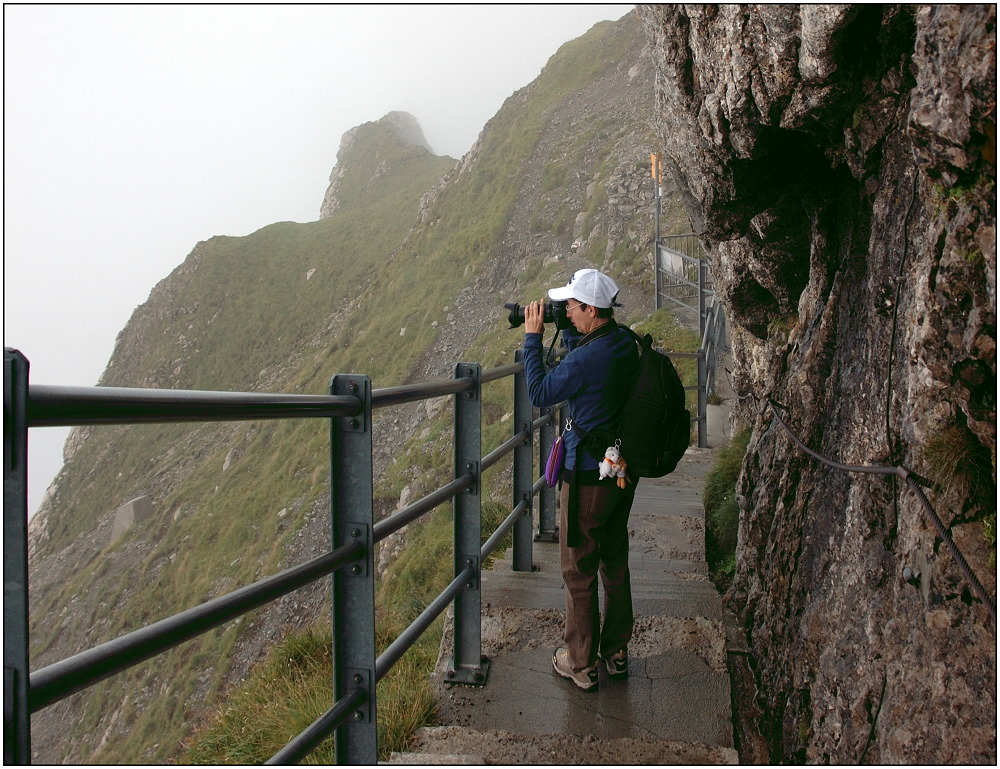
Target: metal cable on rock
point(912, 479)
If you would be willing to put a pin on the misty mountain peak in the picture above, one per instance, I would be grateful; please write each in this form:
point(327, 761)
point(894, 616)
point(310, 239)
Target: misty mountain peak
point(407, 128)
point(366, 154)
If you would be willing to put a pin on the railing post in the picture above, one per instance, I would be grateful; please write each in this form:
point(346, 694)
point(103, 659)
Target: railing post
point(547, 528)
point(523, 465)
point(702, 398)
point(16, 716)
point(702, 291)
point(353, 613)
point(714, 342)
point(658, 273)
point(657, 278)
point(468, 666)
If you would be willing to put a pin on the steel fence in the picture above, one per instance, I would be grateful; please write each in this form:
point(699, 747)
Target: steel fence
point(349, 562)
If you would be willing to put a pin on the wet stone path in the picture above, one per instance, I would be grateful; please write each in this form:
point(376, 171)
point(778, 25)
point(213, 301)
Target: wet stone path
point(674, 707)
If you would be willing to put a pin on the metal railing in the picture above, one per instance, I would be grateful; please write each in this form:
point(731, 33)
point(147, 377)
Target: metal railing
point(712, 339)
point(682, 276)
point(350, 563)
point(683, 281)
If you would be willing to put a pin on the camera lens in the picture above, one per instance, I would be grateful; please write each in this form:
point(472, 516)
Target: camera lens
point(516, 317)
point(554, 312)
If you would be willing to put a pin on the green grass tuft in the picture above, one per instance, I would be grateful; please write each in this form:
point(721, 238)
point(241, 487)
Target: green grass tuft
point(722, 511)
point(964, 469)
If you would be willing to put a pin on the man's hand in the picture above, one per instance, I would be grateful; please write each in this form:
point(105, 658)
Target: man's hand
point(533, 314)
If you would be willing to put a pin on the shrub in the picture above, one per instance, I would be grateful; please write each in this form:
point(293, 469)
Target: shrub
point(961, 466)
point(722, 512)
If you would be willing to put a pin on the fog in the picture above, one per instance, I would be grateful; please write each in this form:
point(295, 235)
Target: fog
point(131, 132)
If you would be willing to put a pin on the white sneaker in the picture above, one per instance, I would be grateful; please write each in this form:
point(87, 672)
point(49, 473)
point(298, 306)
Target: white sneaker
point(586, 679)
point(617, 664)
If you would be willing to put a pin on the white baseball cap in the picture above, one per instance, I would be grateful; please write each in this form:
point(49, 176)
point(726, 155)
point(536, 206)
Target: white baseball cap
point(588, 286)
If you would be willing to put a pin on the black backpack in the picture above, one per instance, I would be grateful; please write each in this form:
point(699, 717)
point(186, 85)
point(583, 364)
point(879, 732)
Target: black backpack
point(655, 428)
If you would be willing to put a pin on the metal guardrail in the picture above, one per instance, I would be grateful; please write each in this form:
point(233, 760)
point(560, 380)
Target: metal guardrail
point(350, 563)
point(682, 275)
point(683, 281)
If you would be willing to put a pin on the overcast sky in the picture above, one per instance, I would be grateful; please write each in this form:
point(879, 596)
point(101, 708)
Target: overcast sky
point(131, 132)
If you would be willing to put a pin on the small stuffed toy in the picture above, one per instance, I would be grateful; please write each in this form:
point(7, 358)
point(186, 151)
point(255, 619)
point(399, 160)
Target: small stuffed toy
point(613, 465)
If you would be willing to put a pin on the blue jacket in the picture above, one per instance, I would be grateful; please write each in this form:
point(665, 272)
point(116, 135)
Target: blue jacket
point(594, 378)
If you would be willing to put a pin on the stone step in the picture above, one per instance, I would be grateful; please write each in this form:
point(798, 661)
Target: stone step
point(432, 759)
point(638, 560)
point(677, 687)
point(496, 586)
point(665, 577)
point(446, 745)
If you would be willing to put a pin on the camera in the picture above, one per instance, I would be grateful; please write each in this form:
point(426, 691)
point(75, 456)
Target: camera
point(553, 312)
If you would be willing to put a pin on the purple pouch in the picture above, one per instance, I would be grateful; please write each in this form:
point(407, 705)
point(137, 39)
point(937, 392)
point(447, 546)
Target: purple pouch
point(553, 467)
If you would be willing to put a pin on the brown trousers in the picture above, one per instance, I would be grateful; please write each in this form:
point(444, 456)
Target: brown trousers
point(602, 514)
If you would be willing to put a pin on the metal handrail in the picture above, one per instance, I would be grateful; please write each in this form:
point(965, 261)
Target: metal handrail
point(62, 406)
point(310, 738)
point(907, 476)
point(415, 629)
point(61, 679)
point(689, 277)
point(501, 372)
point(394, 396)
point(59, 406)
point(408, 514)
point(47, 405)
point(515, 515)
point(503, 450)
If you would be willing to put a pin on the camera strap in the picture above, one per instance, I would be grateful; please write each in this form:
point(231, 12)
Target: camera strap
point(551, 361)
point(602, 330)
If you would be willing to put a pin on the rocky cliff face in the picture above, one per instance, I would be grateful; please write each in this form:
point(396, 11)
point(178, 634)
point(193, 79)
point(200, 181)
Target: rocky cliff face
point(839, 164)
